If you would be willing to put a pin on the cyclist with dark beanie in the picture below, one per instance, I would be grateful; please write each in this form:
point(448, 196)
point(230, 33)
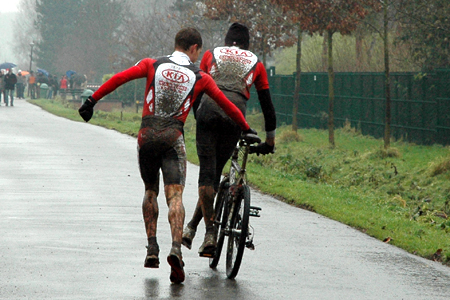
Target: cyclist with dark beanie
point(235, 69)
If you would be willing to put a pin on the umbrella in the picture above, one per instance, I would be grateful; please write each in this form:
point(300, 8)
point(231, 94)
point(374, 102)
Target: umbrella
point(70, 73)
point(7, 65)
point(43, 71)
point(24, 73)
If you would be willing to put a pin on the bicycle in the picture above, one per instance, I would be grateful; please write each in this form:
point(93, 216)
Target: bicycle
point(232, 209)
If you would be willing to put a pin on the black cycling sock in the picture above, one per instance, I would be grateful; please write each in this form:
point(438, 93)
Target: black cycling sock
point(152, 241)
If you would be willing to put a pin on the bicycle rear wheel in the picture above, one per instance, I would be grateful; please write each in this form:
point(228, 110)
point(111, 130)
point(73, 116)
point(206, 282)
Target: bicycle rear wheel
point(220, 219)
point(238, 232)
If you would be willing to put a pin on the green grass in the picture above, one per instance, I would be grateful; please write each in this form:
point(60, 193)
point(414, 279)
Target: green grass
point(403, 194)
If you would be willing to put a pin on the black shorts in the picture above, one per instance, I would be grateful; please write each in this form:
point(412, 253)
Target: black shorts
point(161, 147)
point(216, 135)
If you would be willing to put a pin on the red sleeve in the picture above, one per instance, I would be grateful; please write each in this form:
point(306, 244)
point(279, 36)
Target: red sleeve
point(228, 107)
point(205, 64)
point(139, 70)
point(261, 80)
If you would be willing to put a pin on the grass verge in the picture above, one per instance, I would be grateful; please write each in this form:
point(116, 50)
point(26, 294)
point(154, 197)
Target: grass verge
point(401, 195)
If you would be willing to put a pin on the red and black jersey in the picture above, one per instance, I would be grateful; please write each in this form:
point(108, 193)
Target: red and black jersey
point(173, 85)
point(235, 69)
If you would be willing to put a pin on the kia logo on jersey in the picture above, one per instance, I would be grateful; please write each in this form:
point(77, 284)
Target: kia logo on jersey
point(236, 52)
point(175, 76)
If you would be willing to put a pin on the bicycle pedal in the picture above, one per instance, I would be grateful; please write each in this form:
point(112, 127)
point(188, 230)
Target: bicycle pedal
point(250, 245)
point(254, 211)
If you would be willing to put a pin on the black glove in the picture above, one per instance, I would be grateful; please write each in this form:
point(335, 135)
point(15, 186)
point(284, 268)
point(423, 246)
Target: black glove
point(262, 148)
point(250, 131)
point(87, 109)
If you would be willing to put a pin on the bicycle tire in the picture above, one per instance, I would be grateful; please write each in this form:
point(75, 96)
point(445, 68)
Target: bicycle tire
point(238, 232)
point(221, 214)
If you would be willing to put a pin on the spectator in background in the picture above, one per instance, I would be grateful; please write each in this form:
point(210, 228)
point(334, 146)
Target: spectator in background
point(63, 85)
point(71, 81)
point(55, 85)
point(50, 87)
point(10, 85)
point(84, 84)
point(21, 81)
point(32, 85)
point(2, 85)
point(78, 81)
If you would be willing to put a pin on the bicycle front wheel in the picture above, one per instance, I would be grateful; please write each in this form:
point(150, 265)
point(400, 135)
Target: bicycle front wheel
point(220, 219)
point(238, 232)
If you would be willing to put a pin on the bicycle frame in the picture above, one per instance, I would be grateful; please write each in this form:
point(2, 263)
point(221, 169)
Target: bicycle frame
point(237, 181)
point(233, 209)
point(237, 226)
point(240, 168)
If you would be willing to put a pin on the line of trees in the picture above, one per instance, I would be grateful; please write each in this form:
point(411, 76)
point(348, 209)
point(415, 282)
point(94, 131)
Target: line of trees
point(98, 37)
point(92, 37)
point(420, 25)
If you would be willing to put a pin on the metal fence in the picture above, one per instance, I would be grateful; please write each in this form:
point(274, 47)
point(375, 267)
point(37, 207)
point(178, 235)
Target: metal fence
point(420, 105)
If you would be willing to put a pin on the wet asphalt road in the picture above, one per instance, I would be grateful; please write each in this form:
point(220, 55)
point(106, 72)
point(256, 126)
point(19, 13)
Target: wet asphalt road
point(71, 228)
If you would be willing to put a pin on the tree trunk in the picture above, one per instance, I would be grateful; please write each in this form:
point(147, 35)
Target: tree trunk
point(297, 80)
point(330, 90)
point(324, 52)
point(358, 50)
point(387, 125)
point(263, 49)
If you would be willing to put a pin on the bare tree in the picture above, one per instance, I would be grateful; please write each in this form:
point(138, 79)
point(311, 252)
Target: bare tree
point(147, 31)
point(328, 17)
point(389, 14)
point(25, 32)
point(270, 28)
point(192, 13)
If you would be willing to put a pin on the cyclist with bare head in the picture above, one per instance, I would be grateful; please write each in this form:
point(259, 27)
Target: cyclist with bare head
point(235, 69)
point(173, 86)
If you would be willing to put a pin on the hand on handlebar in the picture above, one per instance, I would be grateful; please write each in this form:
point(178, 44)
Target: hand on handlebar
point(262, 148)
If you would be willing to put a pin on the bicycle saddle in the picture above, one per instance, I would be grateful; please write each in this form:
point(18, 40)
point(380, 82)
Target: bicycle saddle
point(251, 138)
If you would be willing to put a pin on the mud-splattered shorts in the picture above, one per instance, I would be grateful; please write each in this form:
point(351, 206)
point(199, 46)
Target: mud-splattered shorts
point(161, 148)
point(216, 136)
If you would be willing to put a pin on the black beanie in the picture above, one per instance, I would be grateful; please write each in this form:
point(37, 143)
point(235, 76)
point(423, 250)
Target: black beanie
point(238, 35)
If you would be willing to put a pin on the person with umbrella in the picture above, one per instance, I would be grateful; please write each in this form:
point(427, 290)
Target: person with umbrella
point(7, 65)
point(10, 85)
